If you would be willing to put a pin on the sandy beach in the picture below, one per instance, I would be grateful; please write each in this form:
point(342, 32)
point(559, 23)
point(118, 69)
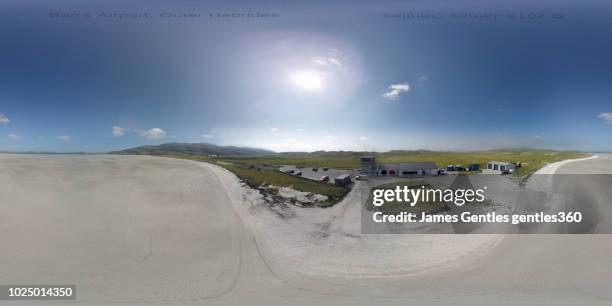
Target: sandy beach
point(135, 230)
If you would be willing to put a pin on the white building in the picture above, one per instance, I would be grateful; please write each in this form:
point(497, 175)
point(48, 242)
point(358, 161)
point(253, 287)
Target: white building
point(370, 167)
point(500, 167)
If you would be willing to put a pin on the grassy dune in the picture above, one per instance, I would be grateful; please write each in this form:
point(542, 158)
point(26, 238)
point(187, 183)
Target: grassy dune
point(261, 178)
point(256, 178)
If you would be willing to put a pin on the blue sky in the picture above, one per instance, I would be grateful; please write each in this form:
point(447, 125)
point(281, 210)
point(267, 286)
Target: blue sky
point(382, 75)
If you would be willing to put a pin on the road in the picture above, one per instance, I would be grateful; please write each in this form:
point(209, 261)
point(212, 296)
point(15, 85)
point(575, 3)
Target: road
point(133, 230)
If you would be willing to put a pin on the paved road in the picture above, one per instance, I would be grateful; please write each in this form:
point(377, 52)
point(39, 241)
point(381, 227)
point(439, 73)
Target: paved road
point(138, 230)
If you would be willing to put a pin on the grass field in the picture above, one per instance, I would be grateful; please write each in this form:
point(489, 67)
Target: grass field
point(531, 160)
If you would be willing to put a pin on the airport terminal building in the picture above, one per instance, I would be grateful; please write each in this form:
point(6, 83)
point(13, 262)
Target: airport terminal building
point(371, 168)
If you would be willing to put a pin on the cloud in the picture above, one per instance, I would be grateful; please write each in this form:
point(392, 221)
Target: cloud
point(118, 131)
point(395, 90)
point(335, 61)
point(154, 133)
point(4, 119)
point(272, 130)
point(363, 138)
point(207, 136)
point(14, 136)
point(607, 117)
point(321, 61)
point(64, 138)
point(289, 140)
point(423, 79)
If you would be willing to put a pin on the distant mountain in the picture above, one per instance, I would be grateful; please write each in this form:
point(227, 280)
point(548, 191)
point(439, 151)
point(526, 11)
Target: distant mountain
point(196, 149)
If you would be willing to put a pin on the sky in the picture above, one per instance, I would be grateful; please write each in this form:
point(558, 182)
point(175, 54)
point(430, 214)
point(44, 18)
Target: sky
point(306, 76)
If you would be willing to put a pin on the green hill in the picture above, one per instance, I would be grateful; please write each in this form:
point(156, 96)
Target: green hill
point(194, 149)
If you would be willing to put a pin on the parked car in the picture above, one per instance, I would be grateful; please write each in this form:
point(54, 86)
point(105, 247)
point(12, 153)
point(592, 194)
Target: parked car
point(290, 171)
point(473, 167)
point(299, 173)
point(315, 169)
point(361, 177)
point(324, 178)
point(325, 169)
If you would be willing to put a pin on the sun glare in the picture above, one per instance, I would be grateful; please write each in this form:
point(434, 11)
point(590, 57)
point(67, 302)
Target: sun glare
point(308, 80)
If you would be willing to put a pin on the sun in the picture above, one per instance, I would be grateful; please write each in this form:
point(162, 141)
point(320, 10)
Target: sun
point(308, 80)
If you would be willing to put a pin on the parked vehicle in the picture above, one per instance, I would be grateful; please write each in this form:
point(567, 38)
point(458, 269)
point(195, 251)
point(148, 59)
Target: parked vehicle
point(473, 167)
point(325, 169)
point(290, 171)
point(518, 164)
point(361, 178)
point(454, 168)
point(299, 173)
point(315, 169)
point(324, 178)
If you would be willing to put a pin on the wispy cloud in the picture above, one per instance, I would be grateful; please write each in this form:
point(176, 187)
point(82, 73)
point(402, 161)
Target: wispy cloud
point(64, 138)
point(272, 130)
point(394, 91)
point(322, 61)
point(335, 61)
point(4, 119)
point(606, 117)
point(423, 79)
point(154, 133)
point(14, 136)
point(118, 131)
point(207, 136)
point(363, 138)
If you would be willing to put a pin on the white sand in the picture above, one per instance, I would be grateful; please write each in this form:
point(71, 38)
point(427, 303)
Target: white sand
point(131, 230)
point(552, 168)
point(329, 241)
